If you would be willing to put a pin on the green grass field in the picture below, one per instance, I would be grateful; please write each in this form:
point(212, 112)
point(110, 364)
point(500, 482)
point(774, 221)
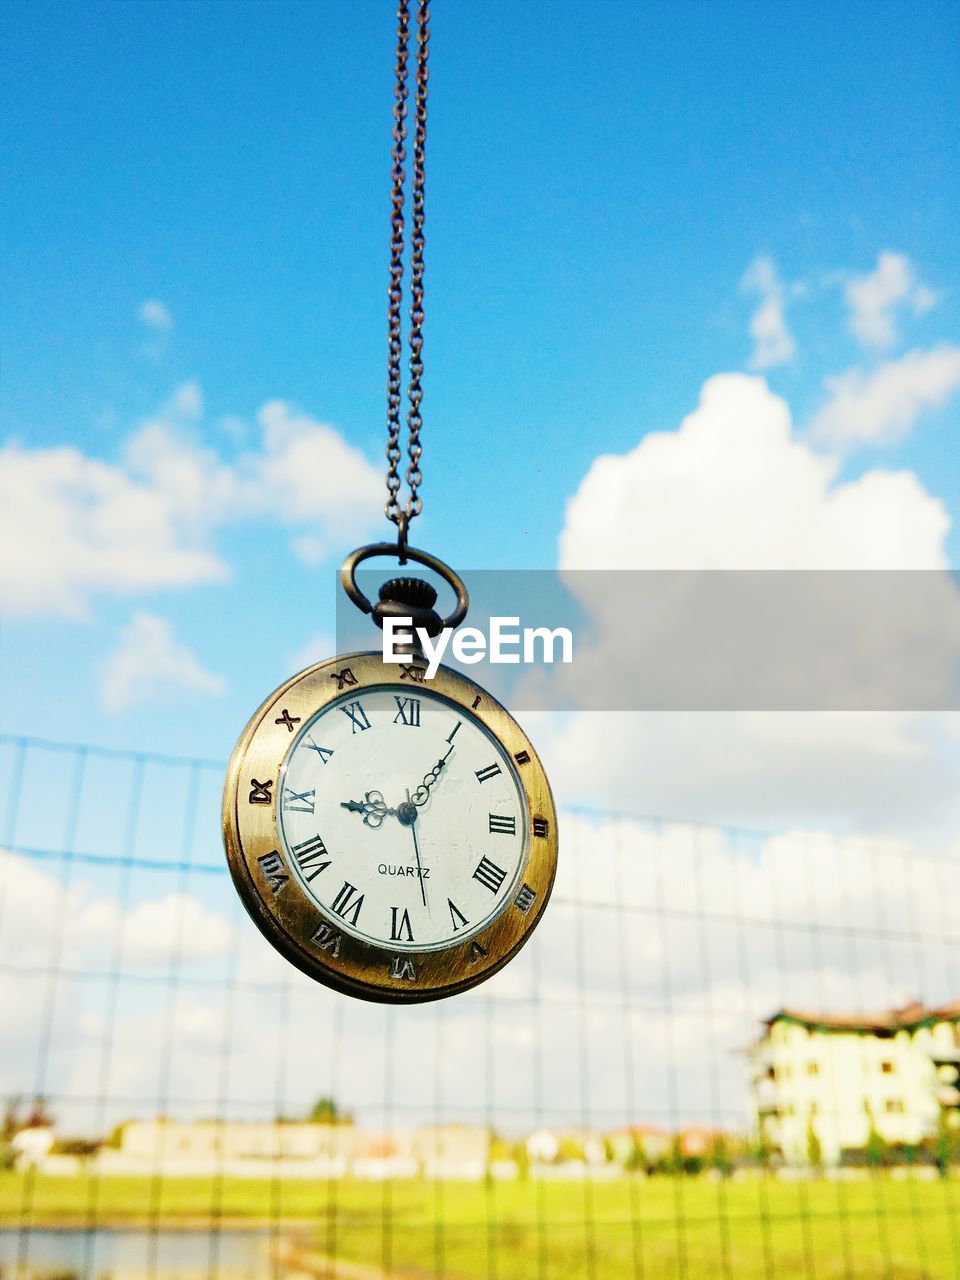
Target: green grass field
point(657, 1229)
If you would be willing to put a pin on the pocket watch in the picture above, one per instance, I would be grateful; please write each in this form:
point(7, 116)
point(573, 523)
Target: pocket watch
point(393, 837)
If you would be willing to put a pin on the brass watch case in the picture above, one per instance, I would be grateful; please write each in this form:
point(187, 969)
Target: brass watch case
point(293, 922)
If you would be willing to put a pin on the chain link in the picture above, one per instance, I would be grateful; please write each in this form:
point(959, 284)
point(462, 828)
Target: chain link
point(414, 503)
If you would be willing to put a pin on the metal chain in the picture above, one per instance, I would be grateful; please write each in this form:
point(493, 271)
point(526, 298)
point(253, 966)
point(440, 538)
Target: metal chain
point(414, 503)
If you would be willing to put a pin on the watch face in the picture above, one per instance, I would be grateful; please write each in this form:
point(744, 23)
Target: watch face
point(403, 817)
point(395, 838)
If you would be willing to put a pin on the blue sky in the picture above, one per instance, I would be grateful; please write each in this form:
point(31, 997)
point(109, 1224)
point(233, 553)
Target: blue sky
point(713, 244)
point(600, 179)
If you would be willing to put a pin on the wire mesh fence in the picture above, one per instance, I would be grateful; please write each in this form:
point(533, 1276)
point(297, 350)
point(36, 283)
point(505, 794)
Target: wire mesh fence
point(182, 1102)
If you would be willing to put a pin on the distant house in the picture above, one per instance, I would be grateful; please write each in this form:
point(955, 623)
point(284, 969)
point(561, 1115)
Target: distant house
point(238, 1149)
point(639, 1144)
point(826, 1085)
point(569, 1152)
point(455, 1151)
point(699, 1142)
point(31, 1146)
point(450, 1151)
point(203, 1148)
point(543, 1145)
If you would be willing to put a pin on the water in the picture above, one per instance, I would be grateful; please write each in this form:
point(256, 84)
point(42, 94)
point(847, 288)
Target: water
point(137, 1255)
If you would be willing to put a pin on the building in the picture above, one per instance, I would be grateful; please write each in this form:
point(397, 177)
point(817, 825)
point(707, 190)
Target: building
point(823, 1083)
point(31, 1146)
point(639, 1145)
point(204, 1148)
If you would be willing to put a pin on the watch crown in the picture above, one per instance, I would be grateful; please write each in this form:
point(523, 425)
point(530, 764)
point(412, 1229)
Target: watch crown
point(409, 598)
point(409, 591)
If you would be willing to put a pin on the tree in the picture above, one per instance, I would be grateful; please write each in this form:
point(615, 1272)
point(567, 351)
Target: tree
point(947, 1144)
point(677, 1160)
point(39, 1116)
point(326, 1111)
point(114, 1139)
point(500, 1148)
point(876, 1149)
point(814, 1148)
point(720, 1155)
point(637, 1156)
point(10, 1125)
point(763, 1151)
point(569, 1151)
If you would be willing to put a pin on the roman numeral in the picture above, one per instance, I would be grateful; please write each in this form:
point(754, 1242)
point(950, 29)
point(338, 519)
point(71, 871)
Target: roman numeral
point(522, 757)
point(408, 711)
point(323, 752)
point(540, 827)
point(260, 792)
point(525, 899)
point(489, 771)
point(500, 824)
point(342, 677)
point(327, 939)
point(456, 915)
point(345, 901)
point(357, 716)
point(410, 672)
point(477, 952)
point(298, 801)
point(402, 967)
point(397, 928)
point(490, 875)
point(310, 856)
point(273, 870)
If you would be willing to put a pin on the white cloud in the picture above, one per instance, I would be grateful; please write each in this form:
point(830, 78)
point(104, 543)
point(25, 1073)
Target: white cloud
point(308, 474)
point(663, 946)
point(153, 929)
point(881, 406)
point(148, 664)
point(73, 527)
point(874, 299)
point(773, 343)
point(155, 315)
point(176, 923)
point(733, 488)
point(848, 771)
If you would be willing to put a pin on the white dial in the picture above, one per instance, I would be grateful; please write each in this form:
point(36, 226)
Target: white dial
point(403, 818)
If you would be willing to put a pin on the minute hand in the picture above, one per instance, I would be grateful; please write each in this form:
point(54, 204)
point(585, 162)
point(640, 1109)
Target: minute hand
point(416, 850)
point(422, 793)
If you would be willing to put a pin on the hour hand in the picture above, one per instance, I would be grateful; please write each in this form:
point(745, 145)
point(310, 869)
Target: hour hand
point(372, 806)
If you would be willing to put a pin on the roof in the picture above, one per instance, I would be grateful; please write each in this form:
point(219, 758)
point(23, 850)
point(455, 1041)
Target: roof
point(909, 1016)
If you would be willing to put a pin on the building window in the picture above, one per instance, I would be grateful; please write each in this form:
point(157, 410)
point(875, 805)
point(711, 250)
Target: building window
point(894, 1106)
point(886, 1068)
